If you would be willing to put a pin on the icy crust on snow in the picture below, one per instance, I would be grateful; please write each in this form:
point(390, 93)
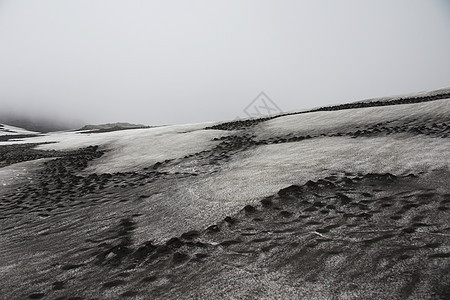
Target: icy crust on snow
point(323, 121)
point(11, 130)
point(269, 168)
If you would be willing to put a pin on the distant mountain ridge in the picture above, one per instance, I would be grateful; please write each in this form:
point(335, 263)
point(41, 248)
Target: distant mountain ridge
point(111, 127)
point(35, 124)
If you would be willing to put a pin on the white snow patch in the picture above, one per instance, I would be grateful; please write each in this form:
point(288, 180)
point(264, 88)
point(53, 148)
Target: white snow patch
point(132, 152)
point(11, 130)
point(133, 149)
point(410, 95)
point(324, 121)
point(379, 99)
point(267, 169)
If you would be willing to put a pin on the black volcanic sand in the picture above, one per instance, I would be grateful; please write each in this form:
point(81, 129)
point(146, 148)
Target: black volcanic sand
point(71, 235)
point(372, 236)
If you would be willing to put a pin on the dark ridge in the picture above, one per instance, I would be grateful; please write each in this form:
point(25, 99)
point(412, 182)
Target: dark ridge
point(110, 127)
point(241, 124)
point(291, 191)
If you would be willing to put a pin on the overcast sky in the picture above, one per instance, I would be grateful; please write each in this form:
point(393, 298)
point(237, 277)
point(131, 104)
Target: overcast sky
point(173, 62)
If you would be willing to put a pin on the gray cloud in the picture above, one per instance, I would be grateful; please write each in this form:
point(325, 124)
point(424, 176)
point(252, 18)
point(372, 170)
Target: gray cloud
point(172, 62)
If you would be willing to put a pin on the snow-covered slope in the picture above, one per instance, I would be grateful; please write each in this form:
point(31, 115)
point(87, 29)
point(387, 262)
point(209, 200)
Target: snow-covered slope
point(11, 130)
point(256, 172)
point(434, 93)
point(340, 202)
